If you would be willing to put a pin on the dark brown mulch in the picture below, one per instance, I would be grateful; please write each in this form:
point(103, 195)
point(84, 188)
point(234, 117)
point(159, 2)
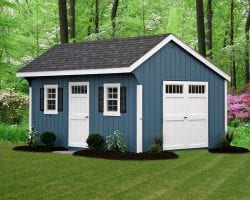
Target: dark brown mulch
point(230, 149)
point(39, 149)
point(127, 155)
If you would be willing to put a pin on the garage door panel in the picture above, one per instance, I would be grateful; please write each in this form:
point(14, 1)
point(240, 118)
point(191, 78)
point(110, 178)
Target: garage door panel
point(176, 135)
point(174, 106)
point(197, 105)
point(196, 137)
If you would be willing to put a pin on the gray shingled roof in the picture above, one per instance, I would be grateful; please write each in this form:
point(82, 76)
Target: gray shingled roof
point(114, 53)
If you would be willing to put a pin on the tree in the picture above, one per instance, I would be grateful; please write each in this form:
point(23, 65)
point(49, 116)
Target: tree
point(113, 16)
point(209, 29)
point(72, 29)
point(63, 21)
point(247, 27)
point(200, 27)
point(233, 65)
point(96, 16)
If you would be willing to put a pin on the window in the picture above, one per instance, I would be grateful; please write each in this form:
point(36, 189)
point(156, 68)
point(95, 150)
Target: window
point(112, 99)
point(174, 89)
point(79, 89)
point(196, 89)
point(50, 99)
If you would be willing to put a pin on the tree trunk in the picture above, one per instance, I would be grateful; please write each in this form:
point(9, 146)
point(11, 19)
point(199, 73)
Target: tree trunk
point(96, 16)
point(72, 29)
point(200, 27)
point(233, 67)
point(247, 27)
point(209, 29)
point(63, 21)
point(113, 16)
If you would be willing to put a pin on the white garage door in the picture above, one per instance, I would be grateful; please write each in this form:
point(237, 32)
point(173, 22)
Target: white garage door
point(185, 115)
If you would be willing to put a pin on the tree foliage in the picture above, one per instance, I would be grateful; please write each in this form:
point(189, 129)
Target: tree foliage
point(28, 28)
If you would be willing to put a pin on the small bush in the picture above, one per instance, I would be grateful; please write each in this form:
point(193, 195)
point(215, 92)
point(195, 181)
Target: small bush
point(226, 141)
point(115, 142)
point(155, 149)
point(48, 138)
point(33, 138)
point(95, 141)
point(158, 140)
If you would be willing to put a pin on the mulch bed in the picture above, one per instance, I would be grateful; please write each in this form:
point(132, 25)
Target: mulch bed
point(39, 149)
point(230, 149)
point(127, 155)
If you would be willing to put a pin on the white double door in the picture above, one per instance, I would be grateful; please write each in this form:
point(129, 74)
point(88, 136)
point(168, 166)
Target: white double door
point(78, 114)
point(185, 115)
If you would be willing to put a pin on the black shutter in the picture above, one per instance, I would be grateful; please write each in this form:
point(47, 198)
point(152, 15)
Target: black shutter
point(60, 99)
point(100, 100)
point(41, 99)
point(123, 100)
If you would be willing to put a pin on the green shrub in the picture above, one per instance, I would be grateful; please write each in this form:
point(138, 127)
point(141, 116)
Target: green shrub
point(95, 141)
point(48, 138)
point(33, 138)
point(155, 149)
point(115, 142)
point(226, 141)
point(13, 107)
point(158, 140)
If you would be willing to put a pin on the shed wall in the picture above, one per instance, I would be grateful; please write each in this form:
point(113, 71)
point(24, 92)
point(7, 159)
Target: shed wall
point(172, 63)
point(97, 122)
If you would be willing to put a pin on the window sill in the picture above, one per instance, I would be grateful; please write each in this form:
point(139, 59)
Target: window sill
point(114, 114)
point(50, 112)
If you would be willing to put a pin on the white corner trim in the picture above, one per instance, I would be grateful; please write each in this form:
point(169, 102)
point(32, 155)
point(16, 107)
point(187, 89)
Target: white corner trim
point(30, 109)
point(131, 67)
point(225, 92)
point(139, 119)
point(105, 111)
point(46, 111)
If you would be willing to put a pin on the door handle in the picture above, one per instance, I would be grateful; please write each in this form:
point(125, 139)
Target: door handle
point(87, 117)
point(185, 117)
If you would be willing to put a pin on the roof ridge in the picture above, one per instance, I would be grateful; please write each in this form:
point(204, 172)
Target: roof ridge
point(115, 39)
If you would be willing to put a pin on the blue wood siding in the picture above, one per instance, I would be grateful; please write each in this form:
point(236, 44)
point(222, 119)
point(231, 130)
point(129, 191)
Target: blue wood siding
point(98, 123)
point(174, 63)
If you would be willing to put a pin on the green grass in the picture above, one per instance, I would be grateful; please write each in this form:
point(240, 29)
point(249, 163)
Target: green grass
point(242, 135)
point(197, 174)
point(13, 133)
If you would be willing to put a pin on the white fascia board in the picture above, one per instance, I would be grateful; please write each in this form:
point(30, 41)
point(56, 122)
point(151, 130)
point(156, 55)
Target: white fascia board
point(74, 72)
point(131, 67)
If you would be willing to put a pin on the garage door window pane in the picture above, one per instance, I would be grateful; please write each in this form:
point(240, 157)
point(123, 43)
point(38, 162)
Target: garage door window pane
point(196, 89)
point(174, 89)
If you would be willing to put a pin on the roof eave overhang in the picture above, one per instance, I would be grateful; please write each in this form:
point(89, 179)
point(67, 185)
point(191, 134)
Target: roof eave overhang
point(132, 67)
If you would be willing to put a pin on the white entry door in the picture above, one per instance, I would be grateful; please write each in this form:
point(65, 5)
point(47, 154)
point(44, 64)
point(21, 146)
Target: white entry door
point(78, 114)
point(185, 115)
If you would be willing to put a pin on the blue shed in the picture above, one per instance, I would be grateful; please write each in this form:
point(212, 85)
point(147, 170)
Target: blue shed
point(143, 86)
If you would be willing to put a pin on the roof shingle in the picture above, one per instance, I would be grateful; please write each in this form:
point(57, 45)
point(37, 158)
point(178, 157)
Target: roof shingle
point(104, 54)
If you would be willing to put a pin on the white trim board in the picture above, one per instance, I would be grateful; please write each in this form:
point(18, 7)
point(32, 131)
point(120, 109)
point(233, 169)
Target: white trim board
point(139, 119)
point(132, 67)
point(30, 109)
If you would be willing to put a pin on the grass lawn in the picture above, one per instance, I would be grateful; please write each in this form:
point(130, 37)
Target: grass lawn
point(197, 174)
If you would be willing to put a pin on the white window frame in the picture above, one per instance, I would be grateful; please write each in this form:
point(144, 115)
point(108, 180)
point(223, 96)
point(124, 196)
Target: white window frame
point(46, 111)
point(111, 113)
